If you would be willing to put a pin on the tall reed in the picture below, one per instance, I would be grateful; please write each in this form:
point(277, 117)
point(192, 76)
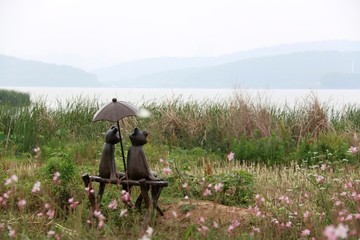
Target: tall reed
point(252, 128)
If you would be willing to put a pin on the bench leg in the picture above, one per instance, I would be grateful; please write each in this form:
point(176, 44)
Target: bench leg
point(101, 192)
point(143, 195)
point(155, 194)
point(91, 195)
point(138, 202)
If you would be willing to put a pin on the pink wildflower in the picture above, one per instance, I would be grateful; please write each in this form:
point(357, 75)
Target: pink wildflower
point(100, 217)
point(125, 197)
point(305, 233)
point(338, 203)
point(216, 224)
point(306, 215)
point(285, 199)
point(288, 224)
point(36, 187)
point(7, 194)
point(353, 150)
point(73, 203)
point(349, 217)
point(100, 224)
point(234, 224)
point(255, 229)
point(89, 190)
point(348, 185)
point(203, 229)
point(231, 156)
point(56, 176)
point(259, 199)
point(207, 192)
point(332, 233)
point(2, 200)
point(218, 187)
point(342, 231)
point(36, 149)
point(37, 152)
point(10, 180)
point(323, 167)
point(329, 233)
point(161, 160)
point(50, 213)
point(12, 232)
point(167, 170)
point(320, 179)
point(230, 229)
point(113, 204)
point(21, 203)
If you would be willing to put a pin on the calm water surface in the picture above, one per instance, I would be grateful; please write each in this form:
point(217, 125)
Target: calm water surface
point(291, 97)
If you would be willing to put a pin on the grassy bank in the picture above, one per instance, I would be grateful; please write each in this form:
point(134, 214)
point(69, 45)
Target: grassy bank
point(289, 169)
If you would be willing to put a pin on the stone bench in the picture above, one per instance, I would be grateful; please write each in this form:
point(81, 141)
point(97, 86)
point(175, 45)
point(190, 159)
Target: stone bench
point(155, 188)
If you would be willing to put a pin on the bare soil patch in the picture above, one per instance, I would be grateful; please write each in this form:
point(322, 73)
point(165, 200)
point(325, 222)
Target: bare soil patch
point(190, 211)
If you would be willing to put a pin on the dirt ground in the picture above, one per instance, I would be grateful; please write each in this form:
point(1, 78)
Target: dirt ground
point(190, 211)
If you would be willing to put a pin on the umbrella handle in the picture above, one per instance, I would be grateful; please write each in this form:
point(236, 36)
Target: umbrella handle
point(122, 147)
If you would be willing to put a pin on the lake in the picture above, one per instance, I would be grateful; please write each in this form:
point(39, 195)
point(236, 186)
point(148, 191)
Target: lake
point(137, 96)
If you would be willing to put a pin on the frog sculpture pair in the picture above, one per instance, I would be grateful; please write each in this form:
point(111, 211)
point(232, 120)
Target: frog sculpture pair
point(137, 164)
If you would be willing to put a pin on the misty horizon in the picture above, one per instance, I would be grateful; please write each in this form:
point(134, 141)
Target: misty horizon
point(95, 34)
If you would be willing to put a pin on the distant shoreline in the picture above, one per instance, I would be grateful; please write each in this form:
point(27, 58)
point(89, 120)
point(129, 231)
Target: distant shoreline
point(290, 97)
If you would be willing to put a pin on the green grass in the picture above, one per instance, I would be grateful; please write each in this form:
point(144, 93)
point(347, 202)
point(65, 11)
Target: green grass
point(291, 165)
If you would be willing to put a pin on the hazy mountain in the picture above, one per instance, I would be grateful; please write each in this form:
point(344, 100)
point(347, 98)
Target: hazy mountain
point(19, 72)
point(126, 74)
point(330, 64)
point(312, 69)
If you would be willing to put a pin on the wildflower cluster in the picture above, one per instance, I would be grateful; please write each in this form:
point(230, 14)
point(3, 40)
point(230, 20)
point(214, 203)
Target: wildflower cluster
point(323, 199)
point(166, 170)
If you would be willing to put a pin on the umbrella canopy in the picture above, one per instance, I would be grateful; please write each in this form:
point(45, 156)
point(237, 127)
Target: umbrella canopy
point(115, 111)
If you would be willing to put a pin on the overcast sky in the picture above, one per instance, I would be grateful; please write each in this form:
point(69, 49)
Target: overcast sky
point(96, 33)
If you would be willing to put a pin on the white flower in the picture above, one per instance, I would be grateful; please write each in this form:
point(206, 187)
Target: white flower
point(36, 187)
point(342, 231)
point(231, 156)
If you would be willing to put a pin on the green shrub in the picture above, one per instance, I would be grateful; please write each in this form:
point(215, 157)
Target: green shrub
point(268, 150)
point(238, 188)
point(68, 182)
point(329, 147)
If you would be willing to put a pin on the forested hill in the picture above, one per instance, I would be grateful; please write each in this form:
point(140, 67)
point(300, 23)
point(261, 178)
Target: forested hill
point(19, 72)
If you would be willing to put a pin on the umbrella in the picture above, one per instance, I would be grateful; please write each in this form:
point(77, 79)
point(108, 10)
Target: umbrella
point(114, 112)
